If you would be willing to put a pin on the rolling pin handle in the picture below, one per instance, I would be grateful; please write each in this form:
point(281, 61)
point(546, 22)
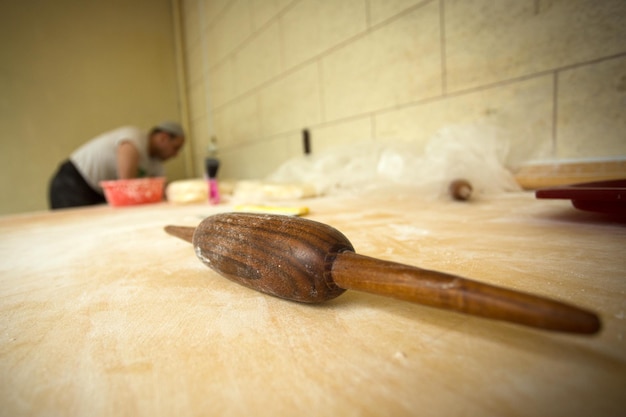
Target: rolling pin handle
point(451, 292)
point(182, 232)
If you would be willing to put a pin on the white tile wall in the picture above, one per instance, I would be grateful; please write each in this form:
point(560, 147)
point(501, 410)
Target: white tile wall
point(239, 121)
point(291, 103)
point(221, 81)
point(194, 67)
point(489, 41)
point(212, 10)
point(258, 159)
point(395, 64)
point(521, 111)
point(350, 131)
point(258, 60)
point(312, 27)
point(264, 11)
point(548, 73)
point(591, 103)
point(381, 10)
point(231, 27)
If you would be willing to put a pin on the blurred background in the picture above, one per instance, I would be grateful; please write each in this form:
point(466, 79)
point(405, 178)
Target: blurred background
point(251, 75)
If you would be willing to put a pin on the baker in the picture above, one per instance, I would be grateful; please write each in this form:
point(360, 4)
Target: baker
point(123, 153)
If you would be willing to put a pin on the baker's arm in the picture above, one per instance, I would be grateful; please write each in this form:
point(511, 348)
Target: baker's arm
point(127, 161)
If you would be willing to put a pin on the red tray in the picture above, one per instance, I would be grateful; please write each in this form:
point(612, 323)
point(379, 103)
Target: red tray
point(601, 197)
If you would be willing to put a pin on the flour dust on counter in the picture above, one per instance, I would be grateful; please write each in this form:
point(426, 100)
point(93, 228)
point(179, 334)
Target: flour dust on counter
point(115, 317)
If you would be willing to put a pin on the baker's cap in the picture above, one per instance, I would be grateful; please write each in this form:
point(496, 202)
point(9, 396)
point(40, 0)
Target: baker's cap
point(172, 128)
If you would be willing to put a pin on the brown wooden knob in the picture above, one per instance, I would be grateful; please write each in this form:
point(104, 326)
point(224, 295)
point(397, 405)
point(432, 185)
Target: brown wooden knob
point(273, 254)
point(460, 189)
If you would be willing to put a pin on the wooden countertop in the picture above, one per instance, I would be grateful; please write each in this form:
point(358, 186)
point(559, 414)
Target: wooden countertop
point(103, 314)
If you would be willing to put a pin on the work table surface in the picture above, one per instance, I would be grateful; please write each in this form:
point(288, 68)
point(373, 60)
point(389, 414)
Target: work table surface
point(104, 314)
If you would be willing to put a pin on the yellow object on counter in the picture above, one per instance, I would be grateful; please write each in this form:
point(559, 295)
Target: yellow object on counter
point(286, 210)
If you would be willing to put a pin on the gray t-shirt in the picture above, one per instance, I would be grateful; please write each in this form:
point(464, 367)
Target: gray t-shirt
point(96, 160)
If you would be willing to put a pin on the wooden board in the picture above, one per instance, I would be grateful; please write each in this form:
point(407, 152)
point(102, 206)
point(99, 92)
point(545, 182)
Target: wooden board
point(103, 314)
point(566, 172)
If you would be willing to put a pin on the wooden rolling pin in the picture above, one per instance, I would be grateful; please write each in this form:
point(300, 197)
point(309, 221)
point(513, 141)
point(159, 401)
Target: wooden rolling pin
point(460, 189)
point(303, 260)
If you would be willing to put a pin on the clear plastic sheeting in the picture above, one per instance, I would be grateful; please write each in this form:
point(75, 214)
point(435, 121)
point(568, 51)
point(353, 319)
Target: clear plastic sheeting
point(474, 153)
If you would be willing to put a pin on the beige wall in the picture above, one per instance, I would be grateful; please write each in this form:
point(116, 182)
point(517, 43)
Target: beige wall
point(550, 73)
point(70, 69)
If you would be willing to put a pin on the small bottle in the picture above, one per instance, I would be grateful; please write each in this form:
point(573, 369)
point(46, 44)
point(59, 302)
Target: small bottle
point(212, 164)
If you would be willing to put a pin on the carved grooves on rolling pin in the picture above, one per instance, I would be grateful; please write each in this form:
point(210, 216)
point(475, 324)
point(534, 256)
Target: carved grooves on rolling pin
point(272, 254)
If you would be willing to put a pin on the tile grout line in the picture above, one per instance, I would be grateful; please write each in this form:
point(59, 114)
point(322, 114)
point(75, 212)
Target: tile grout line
point(388, 109)
point(311, 60)
point(218, 15)
point(421, 102)
point(445, 93)
point(448, 95)
point(502, 83)
point(255, 33)
point(555, 113)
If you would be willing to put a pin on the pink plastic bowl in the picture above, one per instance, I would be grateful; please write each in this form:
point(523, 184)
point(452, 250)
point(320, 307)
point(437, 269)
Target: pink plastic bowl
point(134, 191)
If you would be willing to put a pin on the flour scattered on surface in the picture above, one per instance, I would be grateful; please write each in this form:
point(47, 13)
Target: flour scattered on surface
point(399, 355)
point(405, 232)
point(201, 256)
